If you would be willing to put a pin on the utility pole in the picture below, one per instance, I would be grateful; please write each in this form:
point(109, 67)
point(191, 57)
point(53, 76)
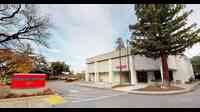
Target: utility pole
point(120, 65)
point(120, 45)
point(127, 42)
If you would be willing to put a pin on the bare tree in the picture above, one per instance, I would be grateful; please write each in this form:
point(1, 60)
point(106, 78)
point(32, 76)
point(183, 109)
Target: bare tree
point(22, 22)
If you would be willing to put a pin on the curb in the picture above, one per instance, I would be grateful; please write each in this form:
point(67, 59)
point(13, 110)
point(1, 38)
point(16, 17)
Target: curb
point(94, 86)
point(195, 86)
point(192, 88)
point(24, 98)
point(159, 93)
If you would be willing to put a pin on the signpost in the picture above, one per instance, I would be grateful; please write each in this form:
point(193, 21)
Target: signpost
point(28, 81)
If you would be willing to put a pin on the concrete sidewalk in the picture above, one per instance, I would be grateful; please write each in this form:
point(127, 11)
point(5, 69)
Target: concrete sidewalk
point(96, 85)
point(26, 102)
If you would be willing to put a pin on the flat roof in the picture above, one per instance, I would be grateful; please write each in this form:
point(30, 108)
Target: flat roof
point(108, 55)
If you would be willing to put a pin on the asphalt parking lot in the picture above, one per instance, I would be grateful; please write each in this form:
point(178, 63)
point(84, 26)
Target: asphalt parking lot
point(74, 93)
point(84, 97)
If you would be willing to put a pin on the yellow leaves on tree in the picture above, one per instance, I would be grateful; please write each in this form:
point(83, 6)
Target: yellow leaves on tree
point(24, 64)
point(16, 62)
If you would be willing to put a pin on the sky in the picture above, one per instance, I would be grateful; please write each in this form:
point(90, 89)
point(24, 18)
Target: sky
point(82, 31)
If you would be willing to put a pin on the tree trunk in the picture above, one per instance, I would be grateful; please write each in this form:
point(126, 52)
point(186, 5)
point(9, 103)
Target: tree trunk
point(165, 70)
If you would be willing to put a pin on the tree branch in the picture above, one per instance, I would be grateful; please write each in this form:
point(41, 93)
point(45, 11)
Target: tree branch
point(12, 15)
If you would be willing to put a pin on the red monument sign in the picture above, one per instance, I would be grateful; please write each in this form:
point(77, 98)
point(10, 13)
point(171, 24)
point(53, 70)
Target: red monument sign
point(28, 80)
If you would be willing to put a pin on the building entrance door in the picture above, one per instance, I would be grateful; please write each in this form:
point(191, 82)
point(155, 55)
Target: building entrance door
point(91, 77)
point(157, 76)
point(170, 76)
point(142, 77)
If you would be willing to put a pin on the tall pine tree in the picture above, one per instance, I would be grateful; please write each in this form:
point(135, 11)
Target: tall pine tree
point(162, 30)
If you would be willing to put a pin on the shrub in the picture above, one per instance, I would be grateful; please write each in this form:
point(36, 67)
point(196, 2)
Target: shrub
point(6, 81)
point(53, 78)
point(4, 90)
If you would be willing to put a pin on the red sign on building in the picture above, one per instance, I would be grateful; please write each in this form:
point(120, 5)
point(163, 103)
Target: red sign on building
point(28, 80)
point(122, 66)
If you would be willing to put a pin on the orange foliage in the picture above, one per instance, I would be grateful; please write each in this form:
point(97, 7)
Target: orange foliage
point(24, 64)
point(17, 62)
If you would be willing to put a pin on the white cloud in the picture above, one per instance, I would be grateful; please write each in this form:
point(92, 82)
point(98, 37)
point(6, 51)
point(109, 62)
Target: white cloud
point(90, 32)
point(193, 18)
point(86, 30)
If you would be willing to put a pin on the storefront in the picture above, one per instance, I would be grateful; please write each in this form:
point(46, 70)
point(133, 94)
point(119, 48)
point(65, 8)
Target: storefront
point(133, 69)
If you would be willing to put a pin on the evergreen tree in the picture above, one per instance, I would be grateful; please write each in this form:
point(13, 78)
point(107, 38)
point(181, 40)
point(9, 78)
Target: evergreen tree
point(59, 67)
point(162, 30)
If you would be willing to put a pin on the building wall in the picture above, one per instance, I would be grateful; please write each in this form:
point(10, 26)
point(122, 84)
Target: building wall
point(106, 70)
point(184, 69)
point(116, 62)
point(172, 62)
point(90, 68)
point(103, 66)
point(103, 77)
point(113, 54)
point(116, 77)
point(144, 63)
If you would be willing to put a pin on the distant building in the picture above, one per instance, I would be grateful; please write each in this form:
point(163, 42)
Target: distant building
point(135, 68)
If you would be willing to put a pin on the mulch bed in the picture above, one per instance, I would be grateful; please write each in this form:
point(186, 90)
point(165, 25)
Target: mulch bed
point(13, 95)
point(158, 88)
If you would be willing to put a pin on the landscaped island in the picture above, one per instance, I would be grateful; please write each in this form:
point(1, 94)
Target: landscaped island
point(158, 88)
point(24, 85)
point(7, 92)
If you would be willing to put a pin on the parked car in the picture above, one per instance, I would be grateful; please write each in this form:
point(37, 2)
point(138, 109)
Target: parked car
point(63, 77)
point(53, 78)
point(71, 79)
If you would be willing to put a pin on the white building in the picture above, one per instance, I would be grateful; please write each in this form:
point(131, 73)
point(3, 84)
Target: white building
point(105, 68)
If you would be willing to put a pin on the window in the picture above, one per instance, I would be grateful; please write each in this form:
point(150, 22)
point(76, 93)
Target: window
point(157, 75)
point(142, 76)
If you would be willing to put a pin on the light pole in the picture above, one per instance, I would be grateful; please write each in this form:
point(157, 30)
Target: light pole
point(119, 47)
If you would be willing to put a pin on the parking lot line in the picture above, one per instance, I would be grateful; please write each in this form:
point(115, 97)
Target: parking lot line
point(99, 98)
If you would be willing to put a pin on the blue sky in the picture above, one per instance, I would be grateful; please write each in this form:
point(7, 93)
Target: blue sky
point(82, 31)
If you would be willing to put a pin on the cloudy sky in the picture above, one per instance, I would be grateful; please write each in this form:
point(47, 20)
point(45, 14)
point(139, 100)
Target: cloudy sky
point(82, 31)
